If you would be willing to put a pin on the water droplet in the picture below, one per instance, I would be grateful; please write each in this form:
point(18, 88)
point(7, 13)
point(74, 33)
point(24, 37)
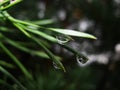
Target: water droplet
point(80, 60)
point(56, 66)
point(62, 39)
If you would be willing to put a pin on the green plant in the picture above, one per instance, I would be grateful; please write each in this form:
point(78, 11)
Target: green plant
point(12, 77)
point(79, 79)
point(26, 35)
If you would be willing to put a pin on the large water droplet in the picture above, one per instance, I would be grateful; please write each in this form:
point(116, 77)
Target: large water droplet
point(56, 66)
point(62, 39)
point(80, 60)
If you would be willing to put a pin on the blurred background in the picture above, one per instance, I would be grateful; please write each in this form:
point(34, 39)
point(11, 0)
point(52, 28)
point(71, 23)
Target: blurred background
point(100, 18)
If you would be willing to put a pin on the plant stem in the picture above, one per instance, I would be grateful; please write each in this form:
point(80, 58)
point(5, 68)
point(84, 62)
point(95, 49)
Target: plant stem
point(20, 65)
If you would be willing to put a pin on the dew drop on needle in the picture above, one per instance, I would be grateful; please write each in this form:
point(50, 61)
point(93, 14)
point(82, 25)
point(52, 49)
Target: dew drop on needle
point(80, 60)
point(62, 39)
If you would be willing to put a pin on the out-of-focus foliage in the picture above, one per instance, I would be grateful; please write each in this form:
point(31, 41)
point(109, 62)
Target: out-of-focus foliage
point(78, 79)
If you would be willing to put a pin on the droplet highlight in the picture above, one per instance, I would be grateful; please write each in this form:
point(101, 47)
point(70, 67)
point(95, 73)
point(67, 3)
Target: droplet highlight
point(80, 60)
point(62, 39)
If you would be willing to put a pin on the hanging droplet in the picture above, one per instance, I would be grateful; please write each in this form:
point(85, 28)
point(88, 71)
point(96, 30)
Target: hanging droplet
point(80, 60)
point(62, 39)
point(56, 66)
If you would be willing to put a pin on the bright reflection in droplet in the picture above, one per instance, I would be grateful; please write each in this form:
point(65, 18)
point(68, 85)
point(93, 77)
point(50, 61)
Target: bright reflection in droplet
point(56, 66)
point(80, 60)
point(62, 39)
